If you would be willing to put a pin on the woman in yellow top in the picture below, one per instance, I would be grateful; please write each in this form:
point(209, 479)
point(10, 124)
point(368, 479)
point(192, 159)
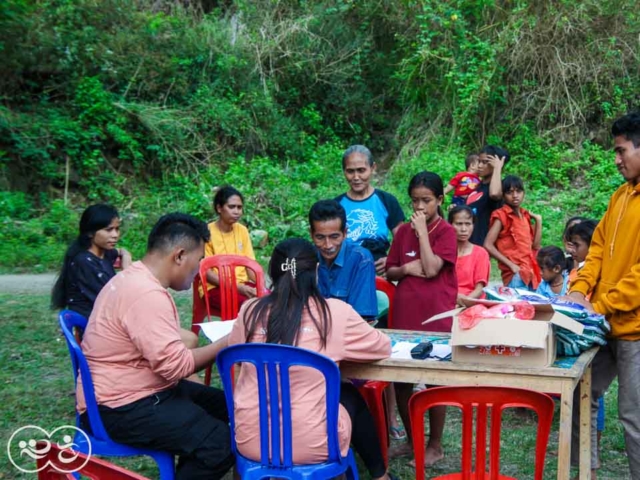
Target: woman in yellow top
point(228, 237)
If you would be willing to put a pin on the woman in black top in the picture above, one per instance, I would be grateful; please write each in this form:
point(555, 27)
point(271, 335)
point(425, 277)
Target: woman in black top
point(89, 262)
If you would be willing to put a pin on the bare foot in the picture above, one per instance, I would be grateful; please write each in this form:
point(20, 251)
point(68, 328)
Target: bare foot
point(433, 455)
point(400, 450)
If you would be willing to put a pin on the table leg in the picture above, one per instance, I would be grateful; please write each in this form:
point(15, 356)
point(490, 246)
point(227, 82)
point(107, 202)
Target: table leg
point(564, 440)
point(585, 425)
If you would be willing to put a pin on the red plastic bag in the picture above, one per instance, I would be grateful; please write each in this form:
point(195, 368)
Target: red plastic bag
point(524, 310)
point(472, 316)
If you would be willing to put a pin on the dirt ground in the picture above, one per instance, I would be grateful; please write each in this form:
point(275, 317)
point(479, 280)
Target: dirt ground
point(39, 283)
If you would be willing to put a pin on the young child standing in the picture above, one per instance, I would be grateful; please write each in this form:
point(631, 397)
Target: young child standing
point(554, 273)
point(513, 238)
point(567, 242)
point(422, 260)
point(579, 239)
point(464, 183)
point(473, 265)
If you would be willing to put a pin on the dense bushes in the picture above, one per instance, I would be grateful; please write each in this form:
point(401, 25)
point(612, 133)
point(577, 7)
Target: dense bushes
point(149, 104)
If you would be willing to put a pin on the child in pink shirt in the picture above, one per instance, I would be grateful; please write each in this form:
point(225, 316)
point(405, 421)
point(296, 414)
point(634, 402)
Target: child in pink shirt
point(295, 313)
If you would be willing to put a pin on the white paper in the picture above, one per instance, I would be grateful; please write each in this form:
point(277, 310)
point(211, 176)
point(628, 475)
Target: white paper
point(440, 350)
point(402, 350)
point(216, 329)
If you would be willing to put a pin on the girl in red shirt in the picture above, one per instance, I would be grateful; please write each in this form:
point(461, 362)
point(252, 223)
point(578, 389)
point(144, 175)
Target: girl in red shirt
point(422, 259)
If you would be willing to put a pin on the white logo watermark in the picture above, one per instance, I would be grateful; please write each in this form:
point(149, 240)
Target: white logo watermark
point(31, 443)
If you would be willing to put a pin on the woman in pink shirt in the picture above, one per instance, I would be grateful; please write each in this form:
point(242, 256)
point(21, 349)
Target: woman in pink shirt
point(295, 313)
point(473, 265)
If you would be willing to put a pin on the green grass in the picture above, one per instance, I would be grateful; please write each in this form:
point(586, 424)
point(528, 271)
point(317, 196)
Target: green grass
point(36, 388)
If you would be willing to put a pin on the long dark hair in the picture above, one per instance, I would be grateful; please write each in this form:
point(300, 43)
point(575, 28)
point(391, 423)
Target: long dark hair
point(292, 269)
point(94, 218)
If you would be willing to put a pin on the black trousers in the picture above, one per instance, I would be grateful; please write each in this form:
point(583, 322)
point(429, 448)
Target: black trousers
point(189, 420)
point(364, 437)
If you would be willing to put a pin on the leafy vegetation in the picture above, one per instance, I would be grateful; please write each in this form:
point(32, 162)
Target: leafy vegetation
point(150, 104)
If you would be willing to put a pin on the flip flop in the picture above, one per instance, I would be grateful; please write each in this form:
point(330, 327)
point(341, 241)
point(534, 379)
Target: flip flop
point(397, 433)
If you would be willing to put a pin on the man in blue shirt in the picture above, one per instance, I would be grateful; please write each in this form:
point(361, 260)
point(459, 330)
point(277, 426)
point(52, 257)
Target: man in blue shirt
point(346, 270)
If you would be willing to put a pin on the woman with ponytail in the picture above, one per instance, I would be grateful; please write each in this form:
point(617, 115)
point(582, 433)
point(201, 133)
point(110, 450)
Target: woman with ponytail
point(295, 313)
point(89, 261)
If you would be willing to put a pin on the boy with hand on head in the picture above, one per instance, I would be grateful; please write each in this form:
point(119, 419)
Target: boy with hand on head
point(464, 183)
point(612, 273)
point(488, 196)
point(513, 238)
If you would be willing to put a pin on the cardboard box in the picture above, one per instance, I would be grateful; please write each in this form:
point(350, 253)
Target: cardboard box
point(512, 342)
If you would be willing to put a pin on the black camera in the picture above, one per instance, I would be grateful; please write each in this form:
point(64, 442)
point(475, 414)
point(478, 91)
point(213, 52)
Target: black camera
point(422, 350)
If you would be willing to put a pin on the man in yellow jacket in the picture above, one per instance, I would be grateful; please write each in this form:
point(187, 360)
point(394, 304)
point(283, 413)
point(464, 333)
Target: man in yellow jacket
point(612, 273)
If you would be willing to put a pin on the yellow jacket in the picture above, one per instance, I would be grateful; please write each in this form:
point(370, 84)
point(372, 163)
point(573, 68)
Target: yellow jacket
point(612, 267)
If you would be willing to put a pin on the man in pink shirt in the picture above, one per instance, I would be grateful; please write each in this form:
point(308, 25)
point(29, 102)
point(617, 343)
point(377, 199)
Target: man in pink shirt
point(139, 363)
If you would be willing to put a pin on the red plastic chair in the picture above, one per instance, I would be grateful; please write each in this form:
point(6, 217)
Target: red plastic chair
point(54, 468)
point(468, 398)
point(226, 266)
point(389, 289)
point(199, 308)
point(373, 390)
point(229, 307)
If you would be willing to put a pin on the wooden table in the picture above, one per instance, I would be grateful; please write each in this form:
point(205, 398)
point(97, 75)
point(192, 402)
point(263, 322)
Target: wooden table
point(553, 379)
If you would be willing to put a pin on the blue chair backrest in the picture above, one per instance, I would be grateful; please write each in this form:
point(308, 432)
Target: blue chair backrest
point(68, 321)
point(276, 360)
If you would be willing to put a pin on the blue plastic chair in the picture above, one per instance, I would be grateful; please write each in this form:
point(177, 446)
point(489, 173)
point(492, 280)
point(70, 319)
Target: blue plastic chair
point(99, 441)
point(275, 461)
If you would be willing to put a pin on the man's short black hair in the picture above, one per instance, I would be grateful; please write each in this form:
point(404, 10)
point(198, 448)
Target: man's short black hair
point(497, 151)
point(629, 127)
point(326, 210)
point(177, 229)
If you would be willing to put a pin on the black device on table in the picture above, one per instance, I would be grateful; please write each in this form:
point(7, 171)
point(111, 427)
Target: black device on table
point(422, 350)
